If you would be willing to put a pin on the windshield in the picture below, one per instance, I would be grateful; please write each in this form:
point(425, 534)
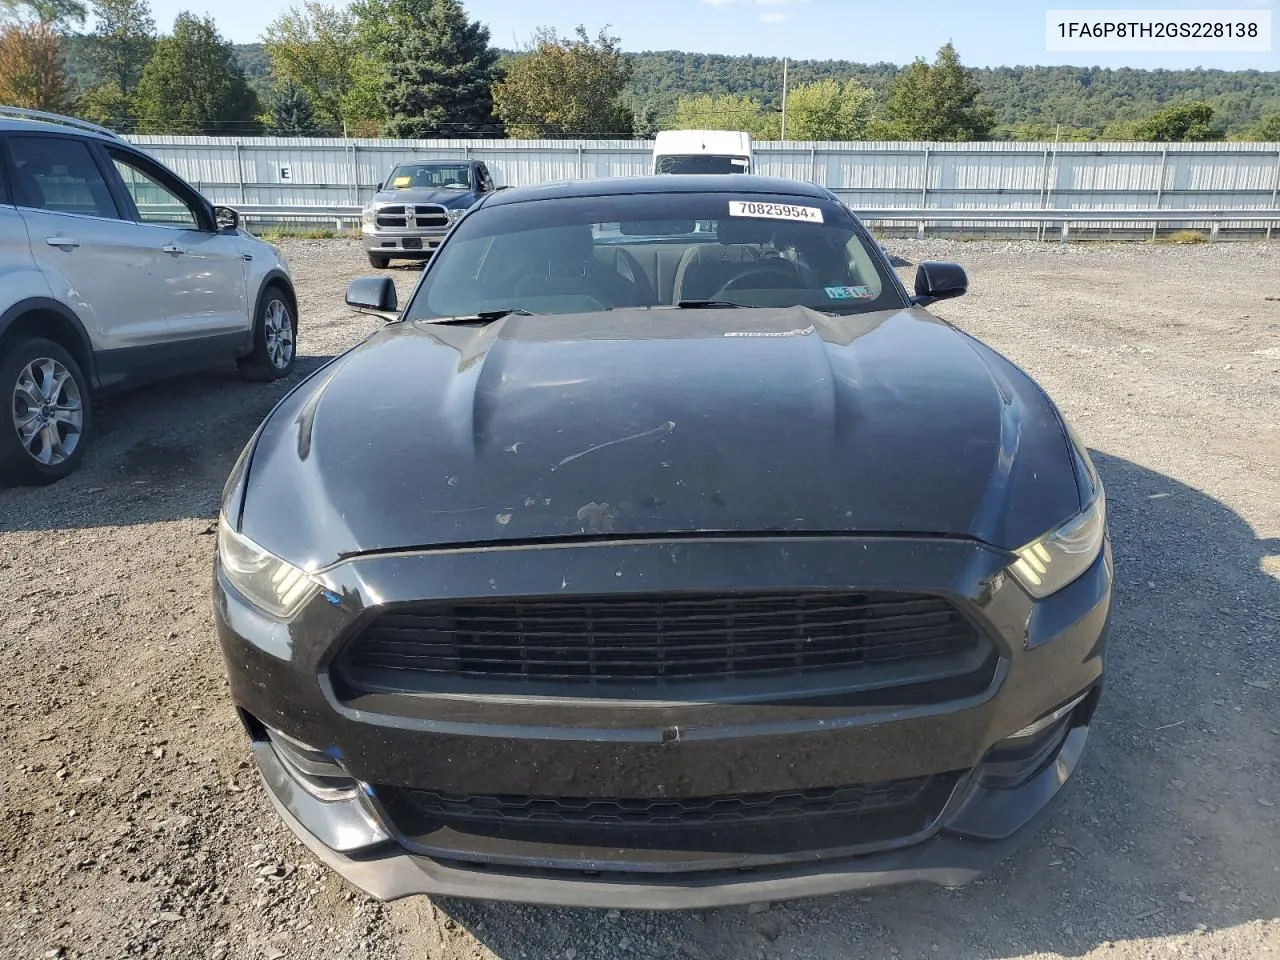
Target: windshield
point(583, 254)
point(409, 176)
point(702, 163)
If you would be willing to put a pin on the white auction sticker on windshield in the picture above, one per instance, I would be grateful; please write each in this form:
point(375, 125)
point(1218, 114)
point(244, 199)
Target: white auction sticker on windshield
point(774, 211)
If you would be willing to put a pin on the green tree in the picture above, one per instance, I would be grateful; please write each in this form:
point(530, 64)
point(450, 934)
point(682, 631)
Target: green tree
point(565, 87)
point(291, 112)
point(315, 47)
point(829, 110)
point(647, 123)
point(1182, 122)
point(194, 85)
point(105, 104)
point(938, 102)
point(121, 42)
point(59, 14)
point(438, 70)
point(725, 112)
point(33, 73)
point(1046, 132)
point(1267, 129)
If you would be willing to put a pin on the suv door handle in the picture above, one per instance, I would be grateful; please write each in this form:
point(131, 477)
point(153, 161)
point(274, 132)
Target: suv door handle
point(62, 241)
point(172, 248)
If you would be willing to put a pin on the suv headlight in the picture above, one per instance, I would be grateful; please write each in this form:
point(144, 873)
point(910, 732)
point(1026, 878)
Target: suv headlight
point(454, 215)
point(367, 216)
point(273, 585)
point(1048, 563)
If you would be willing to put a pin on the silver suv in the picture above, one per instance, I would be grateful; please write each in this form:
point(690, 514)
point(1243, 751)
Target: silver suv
point(115, 272)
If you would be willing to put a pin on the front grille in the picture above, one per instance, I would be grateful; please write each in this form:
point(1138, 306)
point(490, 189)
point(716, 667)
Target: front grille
point(424, 215)
point(742, 808)
point(431, 216)
point(663, 638)
point(391, 216)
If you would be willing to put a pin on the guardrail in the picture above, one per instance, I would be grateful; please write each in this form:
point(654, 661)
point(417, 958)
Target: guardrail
point(1214, 218)
point(343, 214)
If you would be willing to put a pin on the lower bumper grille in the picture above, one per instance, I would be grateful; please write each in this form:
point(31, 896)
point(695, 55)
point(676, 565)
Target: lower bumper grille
point(655, 639)
point(739, 831)
point(692, 811)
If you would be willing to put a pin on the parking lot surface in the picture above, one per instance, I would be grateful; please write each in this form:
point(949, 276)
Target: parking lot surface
point(132, 823)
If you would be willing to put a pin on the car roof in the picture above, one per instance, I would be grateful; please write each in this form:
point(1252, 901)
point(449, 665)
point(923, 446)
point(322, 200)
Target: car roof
point(728, 183)
point(19, 125)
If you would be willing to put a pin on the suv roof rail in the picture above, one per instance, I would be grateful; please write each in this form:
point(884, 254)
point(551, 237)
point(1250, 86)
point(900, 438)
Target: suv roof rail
point(24, 114)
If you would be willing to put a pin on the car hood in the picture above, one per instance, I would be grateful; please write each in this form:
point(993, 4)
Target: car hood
point(449, 197)
point(658, 422)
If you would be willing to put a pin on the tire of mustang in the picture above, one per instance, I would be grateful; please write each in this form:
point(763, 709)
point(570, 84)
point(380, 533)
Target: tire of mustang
point(664, 551)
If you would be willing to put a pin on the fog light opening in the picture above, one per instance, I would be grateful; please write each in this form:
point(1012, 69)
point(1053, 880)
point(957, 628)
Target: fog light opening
point(313, 770)
point(1048, 720)
point(1016, 759)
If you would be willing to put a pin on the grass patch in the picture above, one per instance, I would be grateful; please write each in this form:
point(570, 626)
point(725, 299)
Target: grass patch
point(272, 234)
point(1184, 236)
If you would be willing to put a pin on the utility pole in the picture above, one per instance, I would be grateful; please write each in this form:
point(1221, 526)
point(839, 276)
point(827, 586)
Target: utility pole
point(784, 98)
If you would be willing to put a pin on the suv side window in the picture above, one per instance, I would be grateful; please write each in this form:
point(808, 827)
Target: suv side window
point(155, 201)
point(59, 174)
point(4, 177)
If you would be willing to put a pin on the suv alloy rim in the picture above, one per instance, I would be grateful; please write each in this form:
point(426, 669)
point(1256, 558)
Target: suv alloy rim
point(47, 411)
point(279, 335)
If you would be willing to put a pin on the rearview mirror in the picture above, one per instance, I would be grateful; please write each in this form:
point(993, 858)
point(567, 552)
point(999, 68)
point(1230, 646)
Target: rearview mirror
point(656, 228)
point(937, 280)
point(375, 295)
point(226, 219)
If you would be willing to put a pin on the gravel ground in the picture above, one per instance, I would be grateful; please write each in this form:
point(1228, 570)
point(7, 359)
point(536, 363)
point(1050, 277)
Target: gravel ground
point(132, 824)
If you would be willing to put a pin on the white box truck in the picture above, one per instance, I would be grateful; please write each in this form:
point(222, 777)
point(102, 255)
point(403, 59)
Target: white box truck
point(702, 151)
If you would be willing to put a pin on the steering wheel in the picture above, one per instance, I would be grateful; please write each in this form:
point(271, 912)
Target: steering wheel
point(778, 278)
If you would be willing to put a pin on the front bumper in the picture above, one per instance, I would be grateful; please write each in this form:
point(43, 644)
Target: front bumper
point(1050, 654)
point(402, 245)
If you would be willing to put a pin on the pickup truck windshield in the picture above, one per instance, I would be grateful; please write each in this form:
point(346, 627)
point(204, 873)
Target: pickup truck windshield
point(702, 163)
point(585, 254)
point(409, 176)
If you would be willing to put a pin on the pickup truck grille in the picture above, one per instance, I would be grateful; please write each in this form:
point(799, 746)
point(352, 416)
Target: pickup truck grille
point(406, 216)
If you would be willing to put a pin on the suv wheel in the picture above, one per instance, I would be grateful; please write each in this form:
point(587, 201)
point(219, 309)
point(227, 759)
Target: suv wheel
point(275, 337)
point(45, 420)
point(379, 262)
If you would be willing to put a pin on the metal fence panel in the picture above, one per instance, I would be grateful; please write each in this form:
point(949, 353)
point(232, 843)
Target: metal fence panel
point(284, 172)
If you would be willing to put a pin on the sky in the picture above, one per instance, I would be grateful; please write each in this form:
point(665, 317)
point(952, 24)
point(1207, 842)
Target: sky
point(985, 32)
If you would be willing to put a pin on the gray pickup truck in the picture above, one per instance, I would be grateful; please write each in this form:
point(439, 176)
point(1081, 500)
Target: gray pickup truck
point(416, 206)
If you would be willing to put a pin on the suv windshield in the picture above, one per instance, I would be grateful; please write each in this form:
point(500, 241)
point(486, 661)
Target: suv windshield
point(583, 254)
point(702, 163)
point(409, 176)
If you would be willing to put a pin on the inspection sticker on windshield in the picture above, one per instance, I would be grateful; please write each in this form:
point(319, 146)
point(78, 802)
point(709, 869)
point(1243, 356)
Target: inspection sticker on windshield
point(850, 293)
point(401, 181)
point(774, 211)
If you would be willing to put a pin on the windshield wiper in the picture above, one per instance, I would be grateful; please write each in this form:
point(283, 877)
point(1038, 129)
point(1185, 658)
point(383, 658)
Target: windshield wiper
point(709, 304)
point(484, 316)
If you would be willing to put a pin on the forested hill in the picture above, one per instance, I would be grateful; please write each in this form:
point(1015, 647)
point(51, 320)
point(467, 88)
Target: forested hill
point(1072, 96)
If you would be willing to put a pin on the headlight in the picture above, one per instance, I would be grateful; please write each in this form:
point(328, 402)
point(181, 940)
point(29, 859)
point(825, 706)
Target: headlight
point(274, 585)
point(367, 216)
point(454, 216)
point(1046, 565)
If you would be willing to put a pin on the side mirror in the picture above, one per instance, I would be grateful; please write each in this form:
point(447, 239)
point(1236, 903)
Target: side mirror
point(375, 295)
point(378, 188)
point(936, 280)
point(226, 219)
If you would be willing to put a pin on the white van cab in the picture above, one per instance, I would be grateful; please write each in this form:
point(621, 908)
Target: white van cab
point(702, 151)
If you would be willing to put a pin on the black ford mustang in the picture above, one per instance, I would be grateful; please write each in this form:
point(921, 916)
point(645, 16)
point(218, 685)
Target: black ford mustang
point(663, 552)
